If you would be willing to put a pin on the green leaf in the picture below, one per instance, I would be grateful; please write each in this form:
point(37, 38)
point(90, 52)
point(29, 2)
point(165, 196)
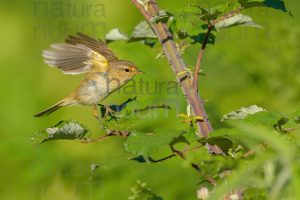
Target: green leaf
point(242, 113)
point(125, 116)
point(264, 118)
point(236, 20)
point(140, 143)
point(189, 23)
point(142, 31)
point(191, 135)
point(141, 192)
point(115, 35)
point(223, 143)
point(243, 2)
point(222, 138)
point(64, 130)
point(276, 4)
point(162, 16)
point(200, 38)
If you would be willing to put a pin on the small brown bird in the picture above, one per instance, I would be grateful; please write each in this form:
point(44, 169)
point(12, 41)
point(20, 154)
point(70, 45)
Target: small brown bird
point(105, 72)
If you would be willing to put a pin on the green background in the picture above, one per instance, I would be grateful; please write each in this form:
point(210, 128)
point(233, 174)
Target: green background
point(246, 66)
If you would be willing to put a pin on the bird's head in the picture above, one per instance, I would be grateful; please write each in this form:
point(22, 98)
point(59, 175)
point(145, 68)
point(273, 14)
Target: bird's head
point(123, 70)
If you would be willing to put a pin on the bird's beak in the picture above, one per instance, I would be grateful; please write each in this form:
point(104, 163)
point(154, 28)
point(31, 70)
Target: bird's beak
point(139, 72)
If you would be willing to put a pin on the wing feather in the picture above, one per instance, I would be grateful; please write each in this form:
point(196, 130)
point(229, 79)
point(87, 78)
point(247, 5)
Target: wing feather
point(75, 58)
point(96, 45)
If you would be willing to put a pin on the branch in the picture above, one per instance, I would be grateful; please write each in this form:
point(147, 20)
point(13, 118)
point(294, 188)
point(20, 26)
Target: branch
point(165, 37)
point(206, 40)
point(200, 57)
point(163, 106)
point(109, 133)
point(181, 154)
point(227, 16)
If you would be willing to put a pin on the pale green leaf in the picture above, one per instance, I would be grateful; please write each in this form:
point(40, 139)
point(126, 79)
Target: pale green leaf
point(140, 143)
point(115, 35)
point(142, 31)
point(237, 20)
point(242, 113)
point(67, 130)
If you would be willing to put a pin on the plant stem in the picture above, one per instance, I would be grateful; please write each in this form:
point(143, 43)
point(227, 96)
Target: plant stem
point(227, 16)
point(178, 65)
point(200, 57)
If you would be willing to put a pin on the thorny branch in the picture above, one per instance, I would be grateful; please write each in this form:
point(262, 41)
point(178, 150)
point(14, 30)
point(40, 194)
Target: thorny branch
point(200, 57)
point(150, 9)
point(210, 25)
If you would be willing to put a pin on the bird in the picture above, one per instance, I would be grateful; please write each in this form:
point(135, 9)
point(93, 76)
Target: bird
point(105, 73)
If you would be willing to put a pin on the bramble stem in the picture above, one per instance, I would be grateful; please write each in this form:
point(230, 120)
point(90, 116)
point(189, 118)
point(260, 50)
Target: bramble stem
point(200, 57)
point(165, 37)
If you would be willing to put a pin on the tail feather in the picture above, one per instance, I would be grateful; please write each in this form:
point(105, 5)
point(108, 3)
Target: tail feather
point(50, 110)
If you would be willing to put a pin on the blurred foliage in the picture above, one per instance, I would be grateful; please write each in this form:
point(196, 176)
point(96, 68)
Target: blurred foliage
point(264, 71)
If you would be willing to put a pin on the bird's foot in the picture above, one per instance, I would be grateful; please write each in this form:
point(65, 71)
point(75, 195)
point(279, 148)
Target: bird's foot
point(107, 111)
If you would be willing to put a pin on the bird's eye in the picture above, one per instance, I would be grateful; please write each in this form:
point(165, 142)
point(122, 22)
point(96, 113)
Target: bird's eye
point(127, 70)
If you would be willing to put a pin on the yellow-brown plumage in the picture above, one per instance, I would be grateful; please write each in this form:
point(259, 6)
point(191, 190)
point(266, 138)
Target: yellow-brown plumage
point(105, 72)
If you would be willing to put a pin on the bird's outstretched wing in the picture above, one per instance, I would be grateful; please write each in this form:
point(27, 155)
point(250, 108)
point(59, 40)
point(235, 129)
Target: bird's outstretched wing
point(80, 54)
point(96, 45)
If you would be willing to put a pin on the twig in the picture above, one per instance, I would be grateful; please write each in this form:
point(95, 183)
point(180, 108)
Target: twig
point(108, 134)
point(200, 57)
point(179, 153)
point(176, 152)
point(163, 106)
point(178, 65)
point(162, 159)
point(206, 40)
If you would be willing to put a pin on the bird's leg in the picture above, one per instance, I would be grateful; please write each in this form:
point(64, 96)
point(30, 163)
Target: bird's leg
point(108, 110)
point(95, 112)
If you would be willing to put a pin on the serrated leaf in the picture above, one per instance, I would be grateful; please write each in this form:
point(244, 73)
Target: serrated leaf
point(219, 143)
point(162, 16)
point(140, 143)
point(115, 35)
point(224, 132)
point(264, 118)
point(191, 135)
point(242, 113)
point(142, 31)
point(276, 4)
point(125, 116)
point(64, 130)
point(189, 23)
point(227, 133)
point(236, 20)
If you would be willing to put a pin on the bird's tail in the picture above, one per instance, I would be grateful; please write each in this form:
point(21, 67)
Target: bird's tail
point(52, 109)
